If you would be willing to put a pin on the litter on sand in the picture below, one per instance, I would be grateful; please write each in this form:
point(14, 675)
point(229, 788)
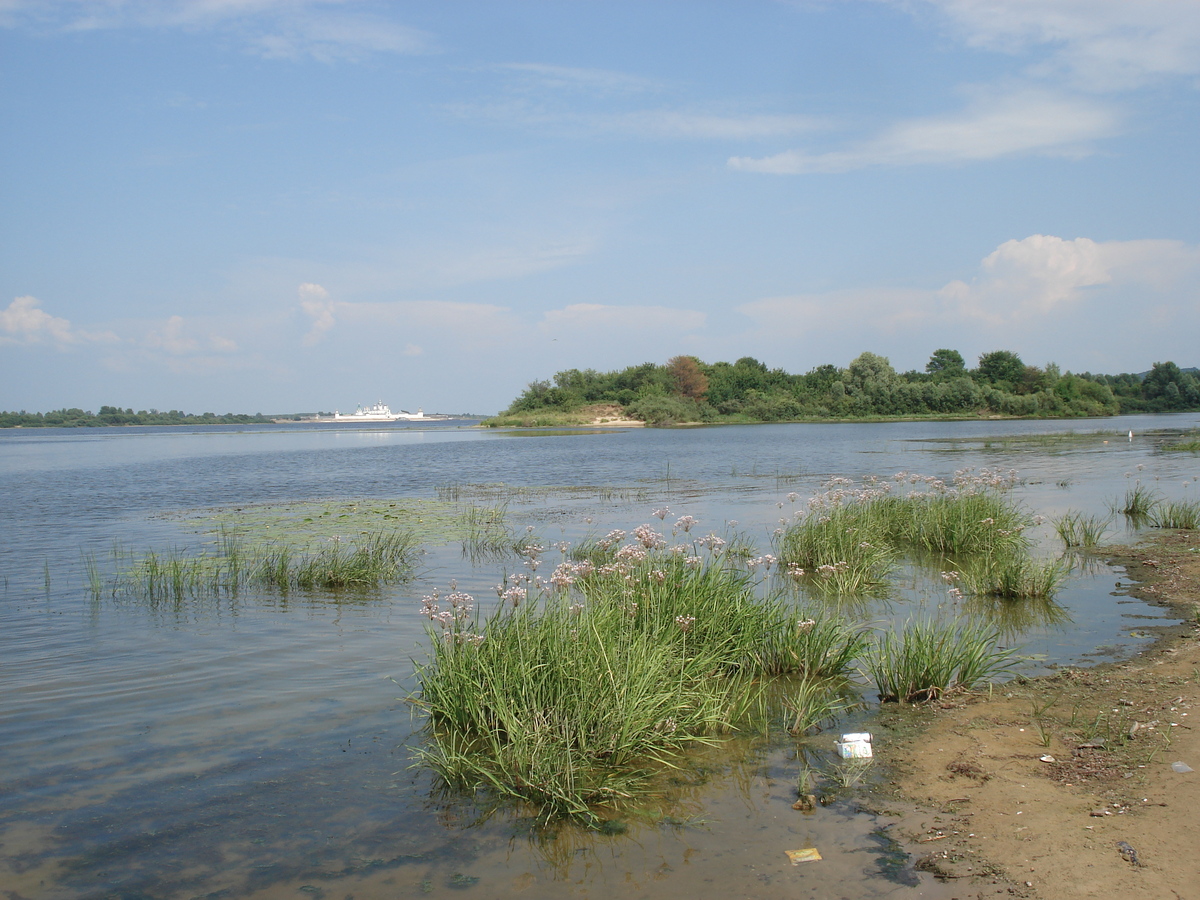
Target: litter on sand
point(1181, 767)
point(855, 746)
point(799, 856)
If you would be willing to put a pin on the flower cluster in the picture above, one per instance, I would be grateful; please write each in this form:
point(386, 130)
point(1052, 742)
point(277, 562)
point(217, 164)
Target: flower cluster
point(649, 538)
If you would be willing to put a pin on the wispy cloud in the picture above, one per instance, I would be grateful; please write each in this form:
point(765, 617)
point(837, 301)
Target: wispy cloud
point(316, 304)
point(590, 318)
point(179, 337)
point(990, 127)
point(325, 30)
point(604, 81)
point(664, 123)
point(25, 322)
point(1100, 45)
point(1112, 295)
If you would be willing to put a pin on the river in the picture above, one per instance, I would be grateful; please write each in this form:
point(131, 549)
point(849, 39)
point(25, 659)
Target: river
point(262, 748)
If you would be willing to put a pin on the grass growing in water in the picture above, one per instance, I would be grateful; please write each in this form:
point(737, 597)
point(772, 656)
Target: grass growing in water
point(365, 562)
point(1172, 514)
point(583, 694)
point(850, 539)
point(928, 659)
point(1077, 530)
point(1014, 577)
point(1139, 502)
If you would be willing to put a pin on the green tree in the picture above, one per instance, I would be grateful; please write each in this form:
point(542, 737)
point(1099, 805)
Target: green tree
point(1002, 368)
point(946, 364)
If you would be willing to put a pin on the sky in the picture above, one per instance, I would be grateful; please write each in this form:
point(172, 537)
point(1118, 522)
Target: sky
point(297, 205)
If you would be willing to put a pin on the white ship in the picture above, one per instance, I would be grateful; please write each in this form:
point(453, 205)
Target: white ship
point(380, 412)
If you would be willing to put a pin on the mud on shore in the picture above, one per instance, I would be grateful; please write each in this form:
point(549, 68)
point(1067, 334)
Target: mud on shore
point(1068, 785)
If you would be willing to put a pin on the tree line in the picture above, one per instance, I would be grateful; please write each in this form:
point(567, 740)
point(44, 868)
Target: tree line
point(114, 415)
point(686, 389)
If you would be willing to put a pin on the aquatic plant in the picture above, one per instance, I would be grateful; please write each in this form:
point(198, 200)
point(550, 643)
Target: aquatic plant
point(1014, 577)
point(1176, 514)
point(810, 702)
point(850, 539)
point(580, 690)
point(1138, 503)
point(177, 575)
point(928, 659)
point(484, 532)
point(1077, 530)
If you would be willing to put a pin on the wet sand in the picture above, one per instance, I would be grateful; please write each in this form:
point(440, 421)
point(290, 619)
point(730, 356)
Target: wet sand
point(1064, 786)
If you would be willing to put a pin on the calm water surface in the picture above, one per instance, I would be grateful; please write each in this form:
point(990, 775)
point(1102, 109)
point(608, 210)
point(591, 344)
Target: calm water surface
point(258, 748)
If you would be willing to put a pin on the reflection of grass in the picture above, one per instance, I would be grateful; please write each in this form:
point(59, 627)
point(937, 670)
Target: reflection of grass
point(1011, 619)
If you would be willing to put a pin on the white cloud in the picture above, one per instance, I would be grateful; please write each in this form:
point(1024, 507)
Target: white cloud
point(315, 302)
point(992, 126)
point(24, 322)
point(326, 30)
point(176, 337)
point(1103, 301)
point(1098, 44)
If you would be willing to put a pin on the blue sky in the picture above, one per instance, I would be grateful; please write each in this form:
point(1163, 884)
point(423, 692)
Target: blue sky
point(291, 205)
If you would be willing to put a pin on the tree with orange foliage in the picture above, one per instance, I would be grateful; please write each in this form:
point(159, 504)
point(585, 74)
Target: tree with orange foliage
point(690, 380)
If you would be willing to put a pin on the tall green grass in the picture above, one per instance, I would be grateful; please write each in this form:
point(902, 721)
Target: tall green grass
point(1138, 503)
point(929, 659)
point(850, 541)
point(1176, 514)
point(1014, 577)
point(1077, 530)
point(177, 575)
point(583, 697)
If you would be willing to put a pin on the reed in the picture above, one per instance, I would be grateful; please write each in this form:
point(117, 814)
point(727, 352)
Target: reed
point(955, 523)
point(1176, 514)
point(811, 702)
point(842, 550)
point(484, 532)
point(1077, 530)
point(1014, 577)
point(1138, 503)
point(176, 575)
point(929, 659)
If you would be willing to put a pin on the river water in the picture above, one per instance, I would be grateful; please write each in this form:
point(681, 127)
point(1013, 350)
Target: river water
point(262, 748)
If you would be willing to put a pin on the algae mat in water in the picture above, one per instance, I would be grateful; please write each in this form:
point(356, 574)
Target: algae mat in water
point(304, 523)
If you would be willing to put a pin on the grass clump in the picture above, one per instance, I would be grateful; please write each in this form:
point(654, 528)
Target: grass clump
point(175, 576)
point(849, 540)
point(1079, 531)
point(581, 692)
point(1013, 577)
point(1176, 514)
point(1138, 503)
point(929, 659)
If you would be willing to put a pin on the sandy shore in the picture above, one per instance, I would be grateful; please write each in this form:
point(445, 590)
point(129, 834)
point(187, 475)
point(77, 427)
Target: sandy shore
point(1036, 790)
